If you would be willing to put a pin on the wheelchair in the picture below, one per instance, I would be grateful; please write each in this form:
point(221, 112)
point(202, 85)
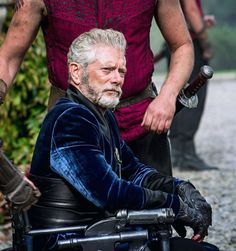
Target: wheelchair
point(133, 228)
point(136, 228)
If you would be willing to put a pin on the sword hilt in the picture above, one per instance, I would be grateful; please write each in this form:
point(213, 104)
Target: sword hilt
point(206, 72)
point(187, 96)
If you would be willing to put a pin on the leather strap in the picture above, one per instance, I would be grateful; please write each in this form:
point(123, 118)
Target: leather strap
point(55, 94)
point(149, 92)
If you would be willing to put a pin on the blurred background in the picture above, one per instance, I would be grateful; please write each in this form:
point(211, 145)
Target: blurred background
point(222, 36)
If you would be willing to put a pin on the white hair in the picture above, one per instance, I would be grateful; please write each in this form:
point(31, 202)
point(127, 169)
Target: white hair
point(83, 48)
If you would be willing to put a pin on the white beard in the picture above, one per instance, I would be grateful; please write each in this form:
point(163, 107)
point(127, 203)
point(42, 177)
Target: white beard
point(98, 97)
point(108, 102)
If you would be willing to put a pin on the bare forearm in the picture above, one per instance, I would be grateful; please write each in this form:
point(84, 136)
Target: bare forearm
point(199, 26)
point(180, 68)
point(180, 45)
point(193, 15)
point(22, 31)
point(8, 70)
point(160, 112)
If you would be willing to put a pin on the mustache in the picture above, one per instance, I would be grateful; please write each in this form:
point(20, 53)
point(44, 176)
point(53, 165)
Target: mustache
point(117, 89)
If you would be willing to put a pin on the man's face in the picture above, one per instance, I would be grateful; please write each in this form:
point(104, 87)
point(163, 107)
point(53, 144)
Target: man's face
point(102, 80)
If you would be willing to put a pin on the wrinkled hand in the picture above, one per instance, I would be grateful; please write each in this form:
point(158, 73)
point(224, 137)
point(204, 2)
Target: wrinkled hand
point(192, 197)
point(159, 115)
point(188, 216)
point(19, 191)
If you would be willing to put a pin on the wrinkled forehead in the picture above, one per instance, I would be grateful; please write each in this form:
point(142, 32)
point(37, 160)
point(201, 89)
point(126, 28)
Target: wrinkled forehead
point(109, 53)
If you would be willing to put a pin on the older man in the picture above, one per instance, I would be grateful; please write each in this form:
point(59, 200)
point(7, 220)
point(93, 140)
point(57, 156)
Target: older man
point(82, 166)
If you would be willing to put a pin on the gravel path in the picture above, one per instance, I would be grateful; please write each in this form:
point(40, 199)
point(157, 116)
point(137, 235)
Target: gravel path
point(216, 143)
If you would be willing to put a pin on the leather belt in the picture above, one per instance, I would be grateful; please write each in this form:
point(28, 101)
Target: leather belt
point(149, 92)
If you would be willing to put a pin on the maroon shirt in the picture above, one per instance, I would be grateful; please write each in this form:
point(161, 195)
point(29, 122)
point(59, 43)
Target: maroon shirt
point(69, 18)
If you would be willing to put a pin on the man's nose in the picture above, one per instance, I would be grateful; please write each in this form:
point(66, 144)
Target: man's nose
point(117, 78)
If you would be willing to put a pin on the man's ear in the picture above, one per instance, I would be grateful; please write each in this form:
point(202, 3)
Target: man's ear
point(75, 70)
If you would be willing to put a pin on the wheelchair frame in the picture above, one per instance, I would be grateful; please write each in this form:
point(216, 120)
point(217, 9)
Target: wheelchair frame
point(127, 226)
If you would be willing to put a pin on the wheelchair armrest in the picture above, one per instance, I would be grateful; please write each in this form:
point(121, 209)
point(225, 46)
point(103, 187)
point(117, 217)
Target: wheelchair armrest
point(147, 216)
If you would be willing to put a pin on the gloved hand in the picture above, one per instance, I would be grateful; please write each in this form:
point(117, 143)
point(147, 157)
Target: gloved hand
point(23, 195)
point(16, 188)
point(191, 217)
point(192, 197)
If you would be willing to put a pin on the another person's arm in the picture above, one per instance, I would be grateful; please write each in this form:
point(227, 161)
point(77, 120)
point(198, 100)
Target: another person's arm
point(22, 31)
point(199, 25)
point(19, 190)
point(171, 22)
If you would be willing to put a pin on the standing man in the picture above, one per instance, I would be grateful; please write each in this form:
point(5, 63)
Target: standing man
point(141, 116)
point(186, 124)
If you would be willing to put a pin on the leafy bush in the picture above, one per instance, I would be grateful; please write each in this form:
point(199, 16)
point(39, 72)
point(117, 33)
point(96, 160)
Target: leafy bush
point(25, 106)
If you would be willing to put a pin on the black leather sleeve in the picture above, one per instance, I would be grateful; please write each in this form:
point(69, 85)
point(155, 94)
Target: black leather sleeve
point(157, 181)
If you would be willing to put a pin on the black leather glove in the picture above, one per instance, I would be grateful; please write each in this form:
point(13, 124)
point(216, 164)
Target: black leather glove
point(179, 228)
point(16, 188)
point(188, 216)
point(192, 197)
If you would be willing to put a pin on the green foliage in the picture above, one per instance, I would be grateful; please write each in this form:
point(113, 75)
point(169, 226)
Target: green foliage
point(222, 36)
point(224, 11)
point(25, 105)
point(223, 42)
